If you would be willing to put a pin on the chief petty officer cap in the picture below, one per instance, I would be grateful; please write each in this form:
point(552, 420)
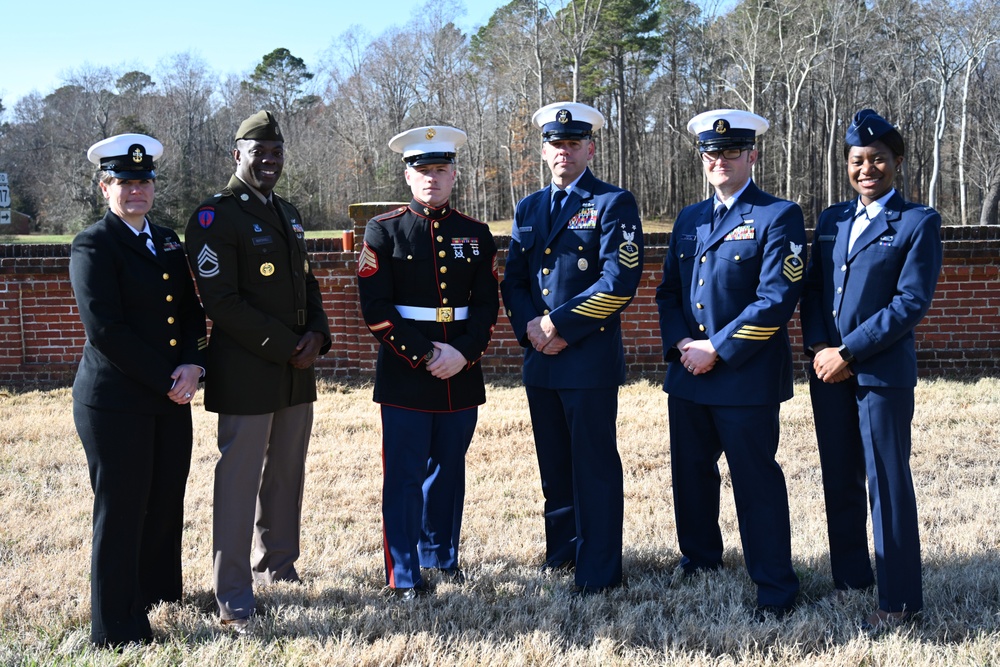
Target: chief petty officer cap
point(726, 128)
point(126, 156)
point(567, 120)
point(262, 126)
point(434, 144)
point(868, 127)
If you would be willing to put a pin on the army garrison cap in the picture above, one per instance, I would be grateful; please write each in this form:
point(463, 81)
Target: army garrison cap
point(567, 120)
point(262, 126)
point(434, 144)
point(126, 156)
point(868, 127)
point(720, 129)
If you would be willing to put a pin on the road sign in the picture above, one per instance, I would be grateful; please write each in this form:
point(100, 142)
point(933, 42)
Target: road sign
point(4, 196)
point(3, 178)
point(4, 217)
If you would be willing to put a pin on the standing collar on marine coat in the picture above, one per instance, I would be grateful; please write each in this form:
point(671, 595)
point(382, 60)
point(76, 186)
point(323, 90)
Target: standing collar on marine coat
point(425, 211)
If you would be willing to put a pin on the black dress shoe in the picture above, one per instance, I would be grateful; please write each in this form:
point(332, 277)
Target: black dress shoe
point(410, 594)
point(770, 612)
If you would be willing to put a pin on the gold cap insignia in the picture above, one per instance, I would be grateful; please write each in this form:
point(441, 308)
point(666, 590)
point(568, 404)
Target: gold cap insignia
point(722, 126)
point(431, 132)
point(137, 155)
point(563, 116)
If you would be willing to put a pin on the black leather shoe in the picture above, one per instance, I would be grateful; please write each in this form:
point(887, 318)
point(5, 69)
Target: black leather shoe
point(769, 612)
point(410, 594)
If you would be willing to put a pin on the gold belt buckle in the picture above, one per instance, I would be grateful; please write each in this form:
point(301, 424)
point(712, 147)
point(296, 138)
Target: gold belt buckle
point(445, 314)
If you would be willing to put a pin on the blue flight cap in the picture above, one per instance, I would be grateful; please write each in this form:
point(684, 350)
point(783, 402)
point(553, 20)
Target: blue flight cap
point(868, 127)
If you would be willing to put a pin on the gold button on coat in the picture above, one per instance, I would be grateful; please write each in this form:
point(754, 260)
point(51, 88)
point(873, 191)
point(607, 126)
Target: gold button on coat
point(166, 276)
point(170, 297)
point(170, 320)
point(173, 342)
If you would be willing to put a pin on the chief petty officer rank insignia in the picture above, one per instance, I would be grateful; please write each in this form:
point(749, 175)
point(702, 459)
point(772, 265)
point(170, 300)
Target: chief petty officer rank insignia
point(628, 252)
point(793, 265)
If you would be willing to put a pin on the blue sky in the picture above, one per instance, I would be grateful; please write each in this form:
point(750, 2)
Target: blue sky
point(43, 41)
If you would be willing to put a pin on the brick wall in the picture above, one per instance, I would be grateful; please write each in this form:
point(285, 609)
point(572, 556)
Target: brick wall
point(41, 337)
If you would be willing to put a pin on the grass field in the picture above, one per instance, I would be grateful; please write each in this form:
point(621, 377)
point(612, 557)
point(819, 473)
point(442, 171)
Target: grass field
point(508, 613)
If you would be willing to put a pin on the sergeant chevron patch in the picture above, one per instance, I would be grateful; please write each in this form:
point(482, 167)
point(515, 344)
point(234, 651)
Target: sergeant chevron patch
point(208, 262)
point(601, 306)
point(751, 332)
point(793, 266)
point(367, 262)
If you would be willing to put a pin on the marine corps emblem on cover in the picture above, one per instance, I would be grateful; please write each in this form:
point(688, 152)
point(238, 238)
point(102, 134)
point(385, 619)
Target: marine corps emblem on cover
point(793, 266)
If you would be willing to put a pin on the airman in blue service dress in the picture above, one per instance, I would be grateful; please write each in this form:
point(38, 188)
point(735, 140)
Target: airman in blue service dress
point(574, 265)
point(731, 279)
point(131, 398)
point(872, 272)
point(427, 283)
point(246, 246)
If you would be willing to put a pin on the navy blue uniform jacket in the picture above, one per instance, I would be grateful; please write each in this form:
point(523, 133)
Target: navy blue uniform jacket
point(429, 258)
point(582, 271)
point(736, 286)
point(141, 315)
point(872, 298)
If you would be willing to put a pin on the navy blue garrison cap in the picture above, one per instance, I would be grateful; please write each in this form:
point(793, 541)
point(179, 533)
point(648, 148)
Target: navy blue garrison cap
point(868, 127)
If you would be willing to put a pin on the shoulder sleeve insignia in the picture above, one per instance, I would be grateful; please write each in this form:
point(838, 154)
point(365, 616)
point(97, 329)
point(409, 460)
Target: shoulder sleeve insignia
point(793, 265)
point(206, 215)
point(367, 262)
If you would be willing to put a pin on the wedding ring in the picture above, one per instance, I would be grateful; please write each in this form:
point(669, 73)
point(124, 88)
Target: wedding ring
point(187, 395)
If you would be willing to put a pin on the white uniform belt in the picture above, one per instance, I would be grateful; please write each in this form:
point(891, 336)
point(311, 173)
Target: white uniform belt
point(433, 314)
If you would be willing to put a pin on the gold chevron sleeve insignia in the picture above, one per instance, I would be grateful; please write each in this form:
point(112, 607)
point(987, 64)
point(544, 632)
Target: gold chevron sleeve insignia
point(750, 332)
point(628, 255)
point(601, 306)
point(202, 343)
point(793, 268)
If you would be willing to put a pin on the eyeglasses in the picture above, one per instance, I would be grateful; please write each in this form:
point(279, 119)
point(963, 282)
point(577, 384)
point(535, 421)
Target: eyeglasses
point(729, 154)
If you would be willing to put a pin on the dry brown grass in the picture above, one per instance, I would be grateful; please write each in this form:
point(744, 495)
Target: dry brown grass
point(508, 613)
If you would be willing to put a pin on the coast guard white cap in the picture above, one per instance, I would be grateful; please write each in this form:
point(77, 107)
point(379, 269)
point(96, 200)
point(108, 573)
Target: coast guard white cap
point(567, 120)
point(726, 128)
point(434, 144)
point(126, 156)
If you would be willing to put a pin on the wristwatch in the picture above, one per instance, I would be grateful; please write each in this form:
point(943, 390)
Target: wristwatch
point(429, 356)
point(845, 354)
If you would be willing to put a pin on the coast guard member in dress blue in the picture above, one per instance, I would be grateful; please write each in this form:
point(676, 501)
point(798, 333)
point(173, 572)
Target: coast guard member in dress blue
point(731, 279)
point(428, 288)
point(574, 264)
point(872, 273)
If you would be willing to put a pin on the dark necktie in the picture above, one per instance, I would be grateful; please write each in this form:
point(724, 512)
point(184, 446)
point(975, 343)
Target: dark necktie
point(147, 241)
point(557, 202)
point(720, 212)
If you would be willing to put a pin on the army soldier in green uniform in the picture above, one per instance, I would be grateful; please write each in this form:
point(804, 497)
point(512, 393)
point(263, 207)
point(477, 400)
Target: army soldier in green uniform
point(428, 287)
point(247, 248)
